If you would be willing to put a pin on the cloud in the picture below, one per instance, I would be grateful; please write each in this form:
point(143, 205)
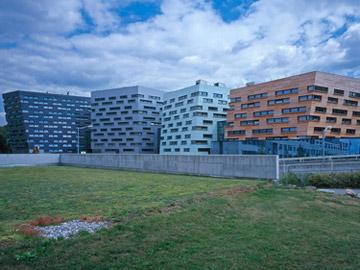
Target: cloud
point(84, 45)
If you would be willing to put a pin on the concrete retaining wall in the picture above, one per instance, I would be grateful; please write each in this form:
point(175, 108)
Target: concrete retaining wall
point(251, 166)
point(8, 160)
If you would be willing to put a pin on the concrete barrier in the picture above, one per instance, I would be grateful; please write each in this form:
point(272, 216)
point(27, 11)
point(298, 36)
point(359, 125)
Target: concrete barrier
point(8, 160)
point(233, 166)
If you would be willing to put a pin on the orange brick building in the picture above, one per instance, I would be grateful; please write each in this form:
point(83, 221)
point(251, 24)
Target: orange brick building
point(306, 105)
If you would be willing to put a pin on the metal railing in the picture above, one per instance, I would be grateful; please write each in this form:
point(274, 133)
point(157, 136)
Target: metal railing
point(344, 163)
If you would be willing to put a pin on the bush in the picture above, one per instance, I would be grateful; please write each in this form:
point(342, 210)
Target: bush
point(323, 180)
point(291, 179)
point(320, 180)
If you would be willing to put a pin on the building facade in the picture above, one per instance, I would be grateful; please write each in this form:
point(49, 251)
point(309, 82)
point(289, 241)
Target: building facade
point(286, 148)
point(306, 105)
point(126, 120)
point(190, 116)
point(44, 122)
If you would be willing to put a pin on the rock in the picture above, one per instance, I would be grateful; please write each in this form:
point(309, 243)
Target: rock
point(350, 192)
point(70, 228)
point(326, 190)
point(310, 187)
point(358, 196)
point(291, 186)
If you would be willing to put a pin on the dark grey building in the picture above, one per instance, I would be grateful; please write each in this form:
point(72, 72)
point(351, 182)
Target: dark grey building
point(126, 120)
point(47, 122)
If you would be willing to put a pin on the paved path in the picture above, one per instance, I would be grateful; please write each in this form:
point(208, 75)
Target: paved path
point(338, 191)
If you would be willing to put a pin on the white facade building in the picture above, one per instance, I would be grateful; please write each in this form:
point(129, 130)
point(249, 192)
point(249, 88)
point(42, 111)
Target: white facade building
point(126, 120)
point(189, 118)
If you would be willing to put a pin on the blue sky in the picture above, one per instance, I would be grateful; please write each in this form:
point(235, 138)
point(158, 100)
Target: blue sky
point(83, 45)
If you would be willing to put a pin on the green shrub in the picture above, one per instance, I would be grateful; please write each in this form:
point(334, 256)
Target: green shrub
point(320, 180)
point(323, 180)
point(290, 179)
point(335, 180)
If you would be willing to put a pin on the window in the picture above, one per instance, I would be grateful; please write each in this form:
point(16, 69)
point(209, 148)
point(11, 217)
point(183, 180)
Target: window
point(332, 100)
point(288, 130)
point(346, 121)
point(310, 97)
point(216, 95)
point(304, 118)
point(350, 103)
point(199, 93)
point(207, 100)
point(250, 105)
point(294, 110)
point(213, 109)
point(182, 97)
point(320, 109)
point(235, 99)
point(249, 123)
point(339, 112)
point(263, 113)
point(350, 131)
point(319, 129)
point(335, 130)
point(179, 104)
point(356, 114)
point(257, 96)
point(278, 101)
point(277, 120)
point(240, 115)
point(197, 107)
point(318, 88)
point(287, 91)
point(354, 94)
point(339, 92)
point(236, 132)
point(330, 119)
point(222, 102)
point(262, 131)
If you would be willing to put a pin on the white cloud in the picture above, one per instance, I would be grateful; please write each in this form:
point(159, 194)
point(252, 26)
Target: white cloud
point(187, 41)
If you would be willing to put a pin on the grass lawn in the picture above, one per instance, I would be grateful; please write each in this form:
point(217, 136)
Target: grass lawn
point(214, 226)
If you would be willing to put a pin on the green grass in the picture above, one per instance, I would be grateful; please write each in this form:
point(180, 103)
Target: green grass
point(269, 228)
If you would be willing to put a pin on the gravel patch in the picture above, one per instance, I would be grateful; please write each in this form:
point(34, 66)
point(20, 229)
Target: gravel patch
point(68, 229)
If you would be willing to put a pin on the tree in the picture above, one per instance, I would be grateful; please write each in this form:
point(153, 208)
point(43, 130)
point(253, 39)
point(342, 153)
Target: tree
point(4, 146)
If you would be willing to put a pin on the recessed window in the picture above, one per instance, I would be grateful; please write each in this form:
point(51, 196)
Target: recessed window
point(339, 112)
point(350, 103)
point(250, 105)
point(257, 96)
point(288, 130)
point(278, 101)
point(346, 121)
point(277, 120)
point(339, 92)
point(318, 88)
point(332, 100)
point(354, 94)
point(320, 109)
point(263, 113)
point(240, 115)
point(305, 118)
point(294, 110)
point(287, 91)
point(262, 131)
point(330, 119)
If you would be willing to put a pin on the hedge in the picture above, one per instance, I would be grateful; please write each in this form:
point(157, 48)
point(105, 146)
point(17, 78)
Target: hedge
point(324, 180)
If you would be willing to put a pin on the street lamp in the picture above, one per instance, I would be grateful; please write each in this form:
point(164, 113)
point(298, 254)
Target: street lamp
point(327, 129)
point(78, 136)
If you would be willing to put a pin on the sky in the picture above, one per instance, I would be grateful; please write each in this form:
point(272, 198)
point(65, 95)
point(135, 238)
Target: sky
point(84, 45)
